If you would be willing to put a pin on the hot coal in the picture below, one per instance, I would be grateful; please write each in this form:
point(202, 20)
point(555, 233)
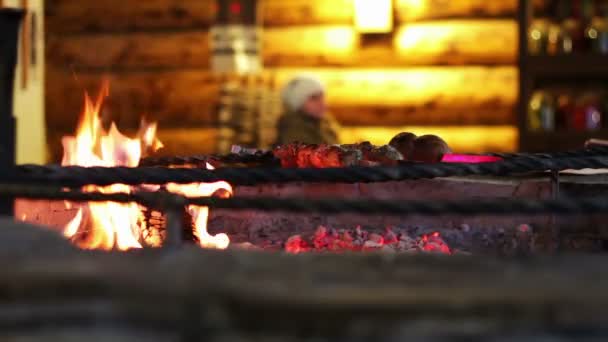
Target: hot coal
point(520, 240)
point(331, 240)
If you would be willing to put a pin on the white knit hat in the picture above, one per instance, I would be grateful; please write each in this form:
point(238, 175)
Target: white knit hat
point(299, 89)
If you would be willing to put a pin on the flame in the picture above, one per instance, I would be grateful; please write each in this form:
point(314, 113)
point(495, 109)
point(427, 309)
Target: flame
point(201, 214)
point(108, 225)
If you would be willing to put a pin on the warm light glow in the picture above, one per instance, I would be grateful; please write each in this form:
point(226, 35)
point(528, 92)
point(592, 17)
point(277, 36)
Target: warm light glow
point(474, 139)
point(108, 225)
point(411, 36)
point(374, 16)
point(414, 8)
point(339, 39)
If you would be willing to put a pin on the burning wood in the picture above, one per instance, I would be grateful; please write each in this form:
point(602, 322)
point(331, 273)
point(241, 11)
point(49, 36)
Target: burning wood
point(108, 225)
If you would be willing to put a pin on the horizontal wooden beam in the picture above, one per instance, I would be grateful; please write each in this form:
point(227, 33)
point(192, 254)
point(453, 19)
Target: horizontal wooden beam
point(420, 96)
point(310, 46)
point(430, 87)
point(68, 16)
point(416, 10)
point(307, 12)
point(444, 42)
point(457, 42)
point(447, 42)
point(130, 50)
point(488, 113)
point(174, 98)
point(316, 45)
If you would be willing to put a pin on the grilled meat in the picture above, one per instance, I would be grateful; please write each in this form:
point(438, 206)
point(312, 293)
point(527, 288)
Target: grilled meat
point(429, 149)
point(404, 143)
point(404, 146)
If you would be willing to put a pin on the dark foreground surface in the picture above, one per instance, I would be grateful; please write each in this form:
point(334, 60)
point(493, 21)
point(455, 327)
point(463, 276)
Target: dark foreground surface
point(50, 291)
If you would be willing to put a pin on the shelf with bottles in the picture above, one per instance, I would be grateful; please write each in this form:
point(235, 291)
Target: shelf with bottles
point(561, 117)
point(566, 109)
point(569, 28)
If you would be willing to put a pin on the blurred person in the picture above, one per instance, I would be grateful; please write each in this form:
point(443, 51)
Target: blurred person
point(306, 119)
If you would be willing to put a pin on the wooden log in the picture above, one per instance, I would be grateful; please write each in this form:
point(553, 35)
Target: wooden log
point(173, 98)
point(130, 50)
point(455, 42)
point(488, 113)
point(310, 45)
point(442, 95)
point(415, 10)
point(458, 42)
point(67, 16)
point(430, 87)
point(466, 139)
point(317, 45)
point(307, 12)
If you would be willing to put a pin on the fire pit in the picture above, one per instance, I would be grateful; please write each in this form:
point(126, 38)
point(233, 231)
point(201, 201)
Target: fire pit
point(122, 290)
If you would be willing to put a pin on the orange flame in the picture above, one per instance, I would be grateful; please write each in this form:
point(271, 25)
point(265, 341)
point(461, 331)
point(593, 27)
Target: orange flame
point(201, 214)
point(113, 225)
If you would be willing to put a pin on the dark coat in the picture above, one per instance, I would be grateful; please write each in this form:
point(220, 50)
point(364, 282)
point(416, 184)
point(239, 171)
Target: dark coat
point(299, 127)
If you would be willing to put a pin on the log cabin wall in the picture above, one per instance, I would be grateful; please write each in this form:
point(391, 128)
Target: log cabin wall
point(448, 67)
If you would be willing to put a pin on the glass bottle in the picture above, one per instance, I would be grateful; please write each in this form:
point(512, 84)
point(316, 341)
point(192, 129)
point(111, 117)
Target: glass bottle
point(601, 24)
point(567, 30)
point(590, 32)
point(564, 109)
point(594, 112)
point(541, 112)
point(587, 113)
point(538, 38)
point(556, 14)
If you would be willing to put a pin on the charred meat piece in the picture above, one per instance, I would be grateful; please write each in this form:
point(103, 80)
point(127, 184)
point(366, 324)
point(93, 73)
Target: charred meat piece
point(429, 149)
point(287, 154)
point(329, 156)
point(316, 156)
point(334, 156)
point(384, 155)
point(304, 154)
point(404, 143)
point(374, 155)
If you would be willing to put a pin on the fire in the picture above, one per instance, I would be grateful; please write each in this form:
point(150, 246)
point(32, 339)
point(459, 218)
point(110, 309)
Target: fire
point(201, 214)
point(108, 225)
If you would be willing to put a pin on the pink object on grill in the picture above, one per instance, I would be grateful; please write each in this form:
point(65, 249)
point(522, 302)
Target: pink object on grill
point(468, 159)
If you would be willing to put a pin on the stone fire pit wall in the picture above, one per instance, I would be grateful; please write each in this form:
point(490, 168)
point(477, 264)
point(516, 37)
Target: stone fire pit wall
point(252, 226)
point(257, 227)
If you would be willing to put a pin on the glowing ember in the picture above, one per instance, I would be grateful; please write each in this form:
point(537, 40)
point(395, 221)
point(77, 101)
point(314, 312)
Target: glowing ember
point(106, 225)
point(330, 240)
